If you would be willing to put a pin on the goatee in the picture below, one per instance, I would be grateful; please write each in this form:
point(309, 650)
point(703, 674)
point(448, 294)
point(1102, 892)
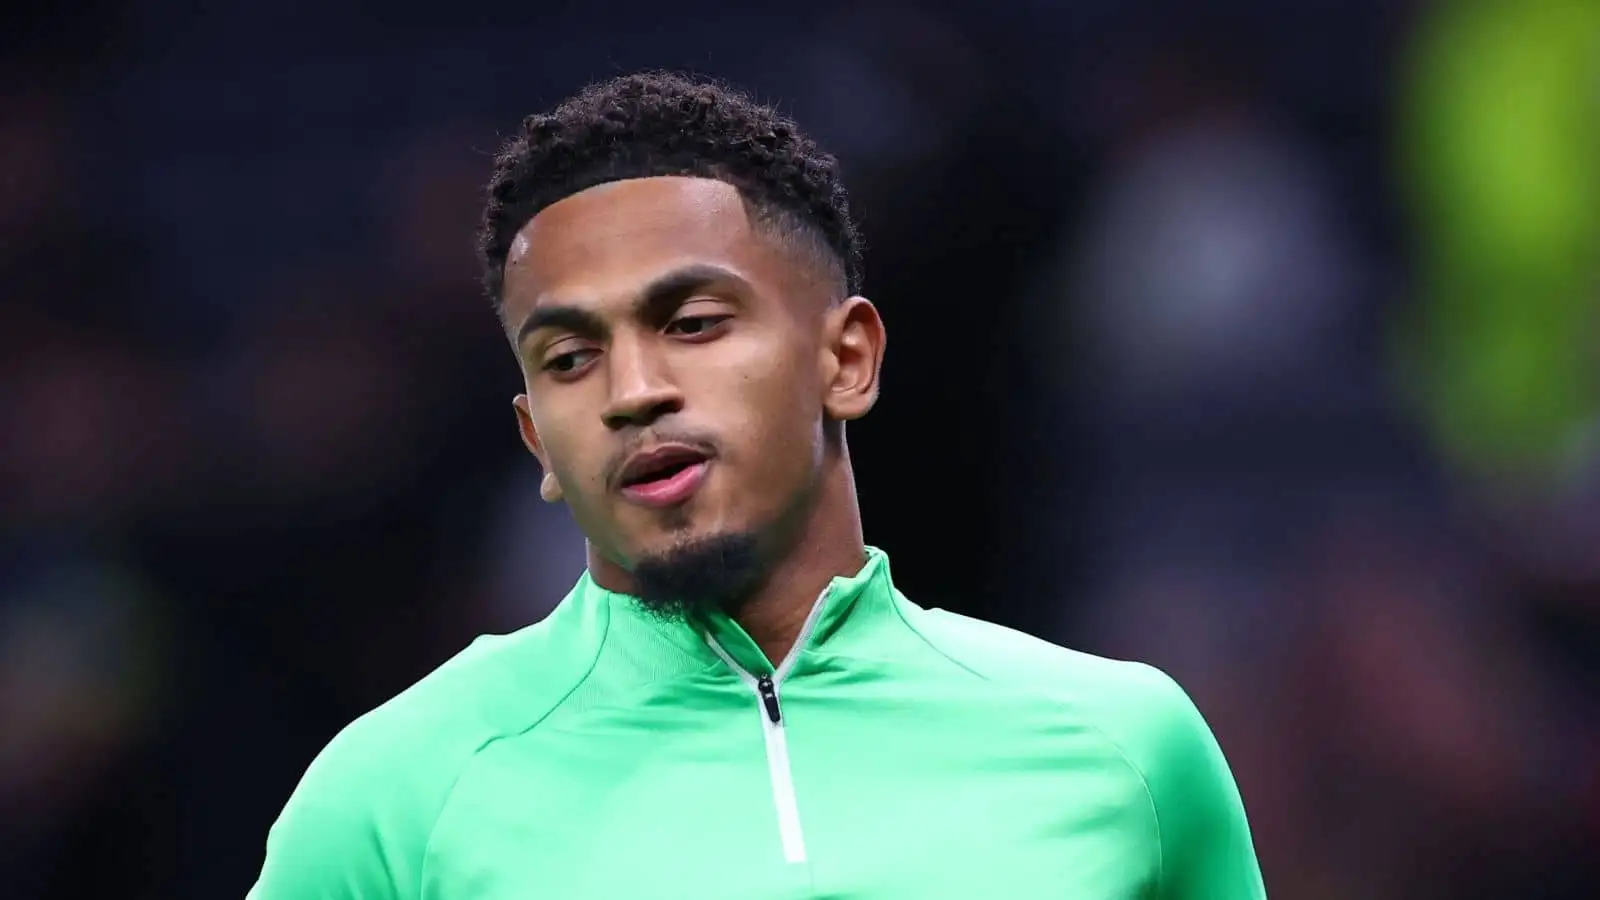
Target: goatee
point(717, 573)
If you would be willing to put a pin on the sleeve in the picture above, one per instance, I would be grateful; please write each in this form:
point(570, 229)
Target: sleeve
point(1205, 845)
point(343, 835)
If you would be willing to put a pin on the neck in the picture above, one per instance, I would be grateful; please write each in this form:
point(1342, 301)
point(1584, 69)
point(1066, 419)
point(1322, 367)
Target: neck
point(830, 545)
point(827, 543)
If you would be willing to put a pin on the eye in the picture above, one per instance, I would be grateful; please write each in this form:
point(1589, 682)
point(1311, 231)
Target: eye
point(569, 362)
point(696, 326)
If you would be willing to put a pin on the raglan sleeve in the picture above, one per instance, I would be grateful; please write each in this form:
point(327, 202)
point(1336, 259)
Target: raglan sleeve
point(1206, 851)
point(344, 833)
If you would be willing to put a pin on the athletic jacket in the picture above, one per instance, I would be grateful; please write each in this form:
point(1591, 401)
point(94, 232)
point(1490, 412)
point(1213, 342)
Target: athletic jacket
point(897, 752)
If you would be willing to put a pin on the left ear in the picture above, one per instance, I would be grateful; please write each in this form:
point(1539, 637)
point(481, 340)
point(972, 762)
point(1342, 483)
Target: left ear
point(853, 341)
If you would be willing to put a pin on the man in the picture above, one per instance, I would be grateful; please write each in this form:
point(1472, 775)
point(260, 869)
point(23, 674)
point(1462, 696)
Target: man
point(734, 701)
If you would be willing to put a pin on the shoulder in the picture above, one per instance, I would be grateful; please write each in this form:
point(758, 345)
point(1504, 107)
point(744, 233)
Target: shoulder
point(1136, 705)
point(996, 653)
point(1204, 843)
point(365, 808)
point(500, 685)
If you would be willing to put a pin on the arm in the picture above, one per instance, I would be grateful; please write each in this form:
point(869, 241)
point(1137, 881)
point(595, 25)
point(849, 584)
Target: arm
point(1206, 850)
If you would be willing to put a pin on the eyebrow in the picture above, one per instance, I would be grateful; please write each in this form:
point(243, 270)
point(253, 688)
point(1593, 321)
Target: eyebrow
point(665, 291)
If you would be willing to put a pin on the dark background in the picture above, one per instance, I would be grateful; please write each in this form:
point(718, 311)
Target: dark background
point(1253, 339)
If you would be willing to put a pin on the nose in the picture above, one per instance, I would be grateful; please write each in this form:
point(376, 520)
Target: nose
point(641, 391)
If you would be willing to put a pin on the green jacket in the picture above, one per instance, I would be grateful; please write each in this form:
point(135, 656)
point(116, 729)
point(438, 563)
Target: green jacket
point(898, 752)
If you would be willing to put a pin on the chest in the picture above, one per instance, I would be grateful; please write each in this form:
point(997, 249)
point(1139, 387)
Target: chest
point(859, 796)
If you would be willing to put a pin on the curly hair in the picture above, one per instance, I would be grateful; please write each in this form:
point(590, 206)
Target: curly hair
point(660, 123)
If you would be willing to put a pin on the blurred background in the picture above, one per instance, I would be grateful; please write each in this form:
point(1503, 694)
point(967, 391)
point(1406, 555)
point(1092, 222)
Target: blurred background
point(1256, 339)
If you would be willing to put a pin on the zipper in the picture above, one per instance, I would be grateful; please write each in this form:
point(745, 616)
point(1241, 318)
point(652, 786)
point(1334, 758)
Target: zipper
point(766, 689)
point(769, 699)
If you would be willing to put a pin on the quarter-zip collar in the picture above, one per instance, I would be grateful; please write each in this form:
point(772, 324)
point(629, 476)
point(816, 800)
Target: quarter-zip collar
point(839, 599)
point(868, 592)
point(711, 650)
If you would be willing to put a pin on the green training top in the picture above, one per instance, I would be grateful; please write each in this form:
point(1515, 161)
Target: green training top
point(898, 752)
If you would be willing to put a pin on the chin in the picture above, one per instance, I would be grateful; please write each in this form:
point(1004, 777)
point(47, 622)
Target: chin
point(689, 572)
point(688, 523)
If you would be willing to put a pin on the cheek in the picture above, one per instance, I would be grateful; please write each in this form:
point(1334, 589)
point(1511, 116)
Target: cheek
point(581, 489)
point(576, 464)
point(776, 420)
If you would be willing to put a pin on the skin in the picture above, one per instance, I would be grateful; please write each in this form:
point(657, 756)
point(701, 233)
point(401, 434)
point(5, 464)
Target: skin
point(655, 310)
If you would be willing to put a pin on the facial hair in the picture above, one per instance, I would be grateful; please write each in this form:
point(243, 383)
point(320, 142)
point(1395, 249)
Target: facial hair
point(713, 573)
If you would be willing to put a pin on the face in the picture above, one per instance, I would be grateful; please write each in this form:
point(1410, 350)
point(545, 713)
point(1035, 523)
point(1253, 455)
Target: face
point(680, 365)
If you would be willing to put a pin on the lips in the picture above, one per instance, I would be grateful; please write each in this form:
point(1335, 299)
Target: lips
point(664, 476)
point(659, 464)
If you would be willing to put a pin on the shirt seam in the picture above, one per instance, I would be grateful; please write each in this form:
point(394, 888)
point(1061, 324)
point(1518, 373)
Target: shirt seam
point(1144, 782)
point(427, 847)
point(623, 700)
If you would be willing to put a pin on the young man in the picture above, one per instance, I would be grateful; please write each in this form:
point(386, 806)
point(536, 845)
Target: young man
point(734, 701)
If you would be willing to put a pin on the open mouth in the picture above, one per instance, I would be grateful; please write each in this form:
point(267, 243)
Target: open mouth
point(662, 472)
point(665, 476)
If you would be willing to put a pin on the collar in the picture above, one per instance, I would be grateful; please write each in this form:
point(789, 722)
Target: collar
point(867, 594)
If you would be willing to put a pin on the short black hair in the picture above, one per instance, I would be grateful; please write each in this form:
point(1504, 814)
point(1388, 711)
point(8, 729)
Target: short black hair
point(664, 123)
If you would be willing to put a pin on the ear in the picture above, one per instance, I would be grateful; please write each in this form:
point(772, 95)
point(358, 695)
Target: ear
point(549, 486)
point(853, 356)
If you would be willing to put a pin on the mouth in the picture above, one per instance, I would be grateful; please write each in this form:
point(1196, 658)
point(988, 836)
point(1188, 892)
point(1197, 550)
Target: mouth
point(664, 476)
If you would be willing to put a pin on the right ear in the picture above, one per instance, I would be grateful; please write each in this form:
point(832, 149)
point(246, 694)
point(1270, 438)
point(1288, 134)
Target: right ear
point(549, 486)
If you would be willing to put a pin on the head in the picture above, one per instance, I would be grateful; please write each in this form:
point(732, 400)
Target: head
point(677, 271)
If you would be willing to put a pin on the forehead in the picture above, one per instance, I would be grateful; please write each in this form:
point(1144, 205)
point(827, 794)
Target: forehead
point(607, 240)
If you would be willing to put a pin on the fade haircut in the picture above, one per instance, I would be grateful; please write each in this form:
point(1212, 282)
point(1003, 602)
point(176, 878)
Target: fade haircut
point(662, 123)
